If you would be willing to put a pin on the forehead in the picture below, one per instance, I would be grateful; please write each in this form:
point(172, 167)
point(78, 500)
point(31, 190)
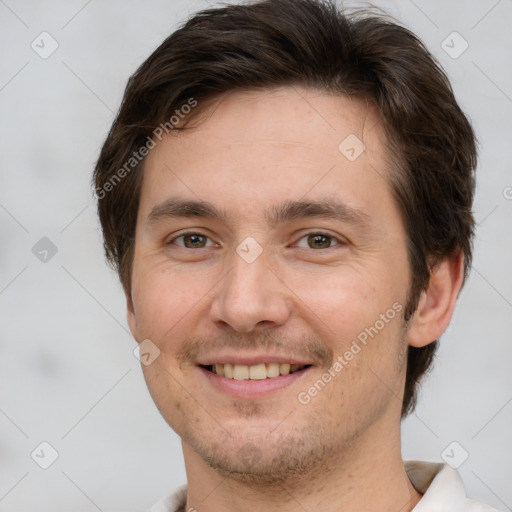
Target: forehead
point(284, 115)
point(290, 141)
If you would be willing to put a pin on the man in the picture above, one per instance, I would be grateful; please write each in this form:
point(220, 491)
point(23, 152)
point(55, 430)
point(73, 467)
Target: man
point(286, 194)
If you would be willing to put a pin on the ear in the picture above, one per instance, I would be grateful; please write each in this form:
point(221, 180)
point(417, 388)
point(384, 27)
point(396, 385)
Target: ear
point(130, 314)
point(437, 301)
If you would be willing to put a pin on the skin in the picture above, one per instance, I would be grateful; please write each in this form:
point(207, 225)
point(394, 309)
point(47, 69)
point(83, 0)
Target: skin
point(246, 154)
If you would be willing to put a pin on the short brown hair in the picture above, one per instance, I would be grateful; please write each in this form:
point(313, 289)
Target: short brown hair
point(274, 43)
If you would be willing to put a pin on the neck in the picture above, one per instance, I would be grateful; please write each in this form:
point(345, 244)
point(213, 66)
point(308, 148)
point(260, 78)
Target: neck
point(368, 477)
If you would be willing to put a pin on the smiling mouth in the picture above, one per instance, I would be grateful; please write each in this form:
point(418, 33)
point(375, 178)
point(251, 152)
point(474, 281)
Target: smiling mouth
point(260, 371)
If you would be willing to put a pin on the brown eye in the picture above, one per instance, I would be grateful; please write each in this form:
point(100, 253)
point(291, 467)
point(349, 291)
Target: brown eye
point(192, 241)
point(319, 241)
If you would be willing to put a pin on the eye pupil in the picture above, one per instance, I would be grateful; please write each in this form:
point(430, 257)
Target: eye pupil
point(194, 240)
point(319, 241)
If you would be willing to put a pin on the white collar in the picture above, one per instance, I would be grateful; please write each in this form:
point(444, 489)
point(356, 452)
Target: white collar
point(442, 489)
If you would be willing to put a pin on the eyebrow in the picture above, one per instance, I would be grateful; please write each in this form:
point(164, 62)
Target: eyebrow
point(325, 208)
point(179, 208)
point(287, 211)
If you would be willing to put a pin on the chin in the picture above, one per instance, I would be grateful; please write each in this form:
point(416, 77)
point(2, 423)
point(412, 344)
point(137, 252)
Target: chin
point(262, 461)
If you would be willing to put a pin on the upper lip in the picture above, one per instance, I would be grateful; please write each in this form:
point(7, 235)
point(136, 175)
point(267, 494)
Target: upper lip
point(250, 360)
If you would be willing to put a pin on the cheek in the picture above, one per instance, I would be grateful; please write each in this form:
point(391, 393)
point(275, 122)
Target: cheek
point(164, 384)
point(360, 315)
point(162, 301)
point(346, 299)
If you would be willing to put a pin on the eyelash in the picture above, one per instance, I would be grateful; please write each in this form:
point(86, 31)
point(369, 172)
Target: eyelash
point(182, 235)
point(312, 233)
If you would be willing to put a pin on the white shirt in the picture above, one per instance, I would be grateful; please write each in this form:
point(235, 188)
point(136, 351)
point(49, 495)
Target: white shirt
point(441, 486)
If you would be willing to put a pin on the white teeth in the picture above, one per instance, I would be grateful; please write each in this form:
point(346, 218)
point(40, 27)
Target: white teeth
point(284, 369)
point(273, 370)
point(228, 370)
point(259, 371)
point(240, 372)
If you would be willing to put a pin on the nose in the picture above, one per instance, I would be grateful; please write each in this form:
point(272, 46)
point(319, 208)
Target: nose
point(250, 297)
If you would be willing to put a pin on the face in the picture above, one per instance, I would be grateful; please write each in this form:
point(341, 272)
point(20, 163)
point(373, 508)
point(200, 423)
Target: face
point(266, 242)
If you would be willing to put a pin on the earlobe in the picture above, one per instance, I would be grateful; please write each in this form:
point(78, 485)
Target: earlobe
point(437, 301)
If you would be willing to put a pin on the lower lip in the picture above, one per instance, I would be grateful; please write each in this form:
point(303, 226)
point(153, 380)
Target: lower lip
point(252, 388)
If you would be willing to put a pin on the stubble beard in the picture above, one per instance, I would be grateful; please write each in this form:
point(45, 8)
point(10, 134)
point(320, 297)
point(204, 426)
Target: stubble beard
point(271, 460)
point(288, 456)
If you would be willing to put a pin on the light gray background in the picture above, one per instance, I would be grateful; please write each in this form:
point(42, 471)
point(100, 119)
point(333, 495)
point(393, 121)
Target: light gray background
point(67, 369)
